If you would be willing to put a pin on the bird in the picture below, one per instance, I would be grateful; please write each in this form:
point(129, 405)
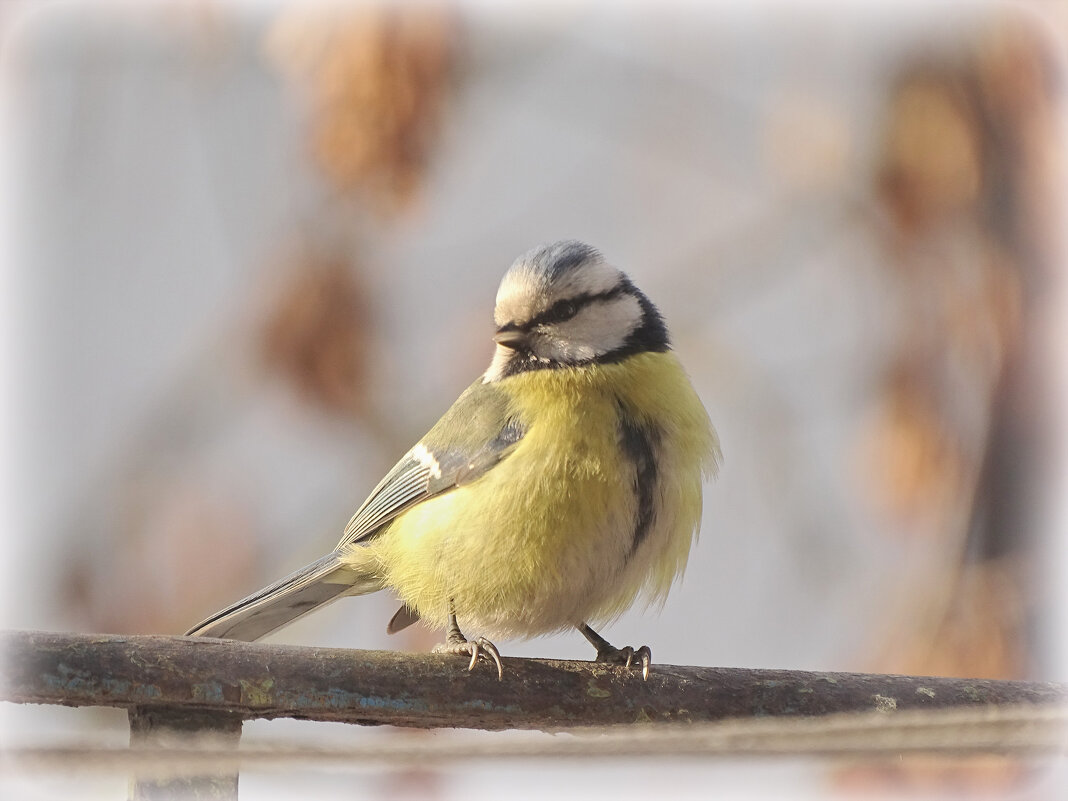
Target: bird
point(561, 487)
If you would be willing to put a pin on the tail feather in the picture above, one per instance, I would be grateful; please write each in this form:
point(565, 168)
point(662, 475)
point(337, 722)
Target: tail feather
point(269, 609)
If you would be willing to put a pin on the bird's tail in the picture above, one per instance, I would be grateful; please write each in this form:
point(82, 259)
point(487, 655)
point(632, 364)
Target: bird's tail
point(259, 614)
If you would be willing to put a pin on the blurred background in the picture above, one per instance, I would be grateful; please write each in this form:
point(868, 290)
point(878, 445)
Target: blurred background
point(252, 255)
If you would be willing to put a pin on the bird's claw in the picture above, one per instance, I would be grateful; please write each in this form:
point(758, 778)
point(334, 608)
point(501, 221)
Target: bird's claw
point(473, 648)
point(627, 656)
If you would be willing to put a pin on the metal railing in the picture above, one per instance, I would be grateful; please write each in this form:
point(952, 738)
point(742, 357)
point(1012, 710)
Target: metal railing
point(187, 698)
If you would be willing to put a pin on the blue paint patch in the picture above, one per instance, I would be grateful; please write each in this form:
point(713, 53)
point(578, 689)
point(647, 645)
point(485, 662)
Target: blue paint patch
point(81, 684)
point(396, 704)
point(336, 698)
point(208, 692)
point(486, 706)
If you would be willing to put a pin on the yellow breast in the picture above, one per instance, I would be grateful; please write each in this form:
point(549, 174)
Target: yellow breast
point(545, 539)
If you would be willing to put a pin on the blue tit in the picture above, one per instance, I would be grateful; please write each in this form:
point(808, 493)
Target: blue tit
point(563, 485)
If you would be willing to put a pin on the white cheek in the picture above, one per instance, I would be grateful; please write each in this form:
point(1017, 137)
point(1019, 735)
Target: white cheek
point(495, 372)
point(597, 329)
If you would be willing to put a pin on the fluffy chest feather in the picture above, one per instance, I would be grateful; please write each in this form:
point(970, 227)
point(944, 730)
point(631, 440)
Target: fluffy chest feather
point(572, 523)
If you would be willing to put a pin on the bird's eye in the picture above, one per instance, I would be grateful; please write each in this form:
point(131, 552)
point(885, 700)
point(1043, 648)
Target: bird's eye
point(559, 312)
point(567, 309)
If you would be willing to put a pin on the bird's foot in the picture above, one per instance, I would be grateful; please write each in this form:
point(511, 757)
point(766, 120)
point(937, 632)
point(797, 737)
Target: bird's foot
point(627, 656)
point(608, 653)
point(473, 648)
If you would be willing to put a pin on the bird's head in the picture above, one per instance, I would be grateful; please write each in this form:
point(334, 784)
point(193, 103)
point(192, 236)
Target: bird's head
point(563, 305)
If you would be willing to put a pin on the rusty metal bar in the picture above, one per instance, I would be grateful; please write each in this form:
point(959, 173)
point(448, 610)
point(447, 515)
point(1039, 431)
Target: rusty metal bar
point(256, 680)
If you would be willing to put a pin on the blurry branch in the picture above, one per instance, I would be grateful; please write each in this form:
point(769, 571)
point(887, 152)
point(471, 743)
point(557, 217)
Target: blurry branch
point(377, 79)
point(234, 680)
point(1022, 729)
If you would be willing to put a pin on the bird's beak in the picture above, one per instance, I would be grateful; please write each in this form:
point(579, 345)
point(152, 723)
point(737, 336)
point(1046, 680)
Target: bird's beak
point(510, 337)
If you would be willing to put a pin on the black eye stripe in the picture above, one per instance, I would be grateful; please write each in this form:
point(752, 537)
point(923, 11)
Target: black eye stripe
point(648, 336)
point(567, 308)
